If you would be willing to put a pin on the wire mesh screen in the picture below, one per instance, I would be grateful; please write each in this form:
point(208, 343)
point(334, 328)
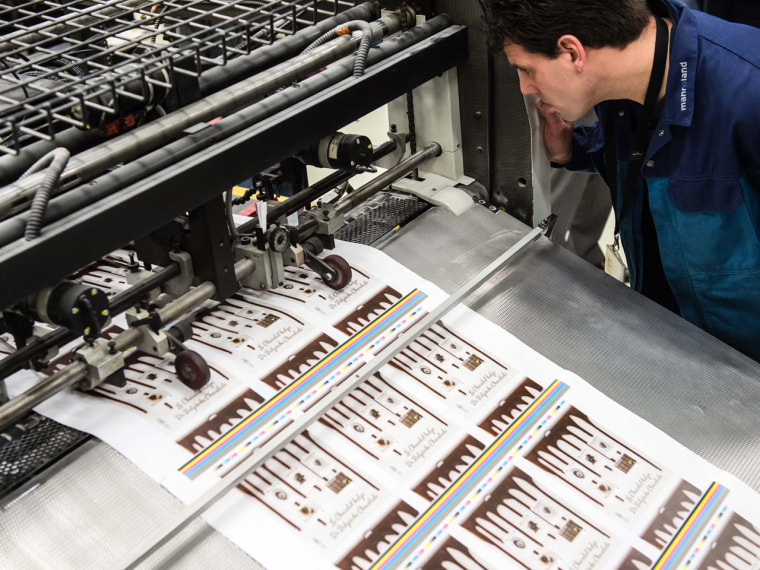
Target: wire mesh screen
point(105, 63)
point(377, 217)
point(30, 446)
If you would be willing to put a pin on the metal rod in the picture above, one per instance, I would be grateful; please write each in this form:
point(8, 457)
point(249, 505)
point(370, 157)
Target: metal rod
point(308, 195)
point(130, 145)
point(169, 154)
point(20, 405)
point(223, 76)
point(267, 450)
point(73, 373)
point(122, 301)
point(388, 177)
point(119, 303)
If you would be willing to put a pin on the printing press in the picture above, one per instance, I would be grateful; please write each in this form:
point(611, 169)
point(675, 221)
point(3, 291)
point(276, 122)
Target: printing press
point(125, 128)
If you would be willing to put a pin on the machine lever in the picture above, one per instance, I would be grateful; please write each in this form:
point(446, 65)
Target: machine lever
point(153, 320)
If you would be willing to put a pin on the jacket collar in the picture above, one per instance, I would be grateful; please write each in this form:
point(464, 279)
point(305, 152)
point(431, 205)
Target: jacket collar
point(679, 94)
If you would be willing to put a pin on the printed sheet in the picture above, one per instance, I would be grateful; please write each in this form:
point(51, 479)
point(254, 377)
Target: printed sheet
point(468, 450)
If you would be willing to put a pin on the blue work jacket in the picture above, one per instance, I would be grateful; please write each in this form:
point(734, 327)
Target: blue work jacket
point(701, 172)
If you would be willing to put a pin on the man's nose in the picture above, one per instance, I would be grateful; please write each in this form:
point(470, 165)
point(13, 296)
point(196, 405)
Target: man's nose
point(527, 87)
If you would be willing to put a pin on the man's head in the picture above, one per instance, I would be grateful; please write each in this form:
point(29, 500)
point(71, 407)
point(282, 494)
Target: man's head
point(550, 43)
point(537, 25)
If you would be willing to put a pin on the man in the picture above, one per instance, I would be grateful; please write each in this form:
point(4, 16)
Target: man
point(688, 211)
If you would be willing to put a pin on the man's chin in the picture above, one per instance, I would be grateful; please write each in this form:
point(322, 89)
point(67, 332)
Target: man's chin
point(552, 109)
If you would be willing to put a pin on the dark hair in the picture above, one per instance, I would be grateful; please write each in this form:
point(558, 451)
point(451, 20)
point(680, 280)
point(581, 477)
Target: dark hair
point(536, 25)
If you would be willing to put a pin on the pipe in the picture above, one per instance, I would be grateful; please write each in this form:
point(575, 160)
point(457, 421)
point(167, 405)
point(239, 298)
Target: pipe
point(360, 60)
point(74, 139)
point(20, 405)
point(76, 371)
point(388, 177)
point(170, 154)
point(164, 130)
point(240, 67)
point(60, 157)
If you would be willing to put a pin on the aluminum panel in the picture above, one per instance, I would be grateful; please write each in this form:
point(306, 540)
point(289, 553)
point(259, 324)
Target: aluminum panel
point(690, 385)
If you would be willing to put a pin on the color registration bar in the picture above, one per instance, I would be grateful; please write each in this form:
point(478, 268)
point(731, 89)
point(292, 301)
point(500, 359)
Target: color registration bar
point(701, 515)
point(454, 493)
point(252, 422)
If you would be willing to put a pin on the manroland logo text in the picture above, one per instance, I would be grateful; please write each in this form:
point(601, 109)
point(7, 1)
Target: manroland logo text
point(684, 77)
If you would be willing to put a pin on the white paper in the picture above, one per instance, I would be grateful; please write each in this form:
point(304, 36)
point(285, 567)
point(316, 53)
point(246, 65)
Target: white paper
point(468, 450)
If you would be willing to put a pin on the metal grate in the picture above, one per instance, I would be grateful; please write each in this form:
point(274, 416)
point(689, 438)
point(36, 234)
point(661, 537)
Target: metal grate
point(376, 218)
point(30, 446)
point(104, 63)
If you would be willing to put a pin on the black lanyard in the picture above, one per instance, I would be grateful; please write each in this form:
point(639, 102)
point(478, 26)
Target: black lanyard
point(641, 140)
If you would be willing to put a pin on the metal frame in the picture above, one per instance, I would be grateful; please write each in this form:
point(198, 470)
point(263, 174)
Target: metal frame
point(145, 205)
point(90, 64)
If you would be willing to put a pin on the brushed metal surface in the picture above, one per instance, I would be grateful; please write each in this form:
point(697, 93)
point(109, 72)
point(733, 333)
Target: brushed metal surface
point(94, 510)
point(690, 385)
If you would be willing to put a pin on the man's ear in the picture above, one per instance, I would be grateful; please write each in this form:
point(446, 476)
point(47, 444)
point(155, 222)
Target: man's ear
point(572, 46)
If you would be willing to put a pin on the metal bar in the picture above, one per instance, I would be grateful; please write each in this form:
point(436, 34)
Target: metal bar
point(308, 195)
point(73, 373)
point(222, 160)
point(267, 450)
point(219, 77)
point(389, 176)
point(13, 409)
point(90, 163)
point(120, 302)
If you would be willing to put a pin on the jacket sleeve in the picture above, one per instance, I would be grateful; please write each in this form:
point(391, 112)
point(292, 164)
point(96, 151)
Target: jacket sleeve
point(587, 142)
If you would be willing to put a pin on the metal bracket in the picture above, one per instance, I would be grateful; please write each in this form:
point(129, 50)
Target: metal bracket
point(327, 218)
point(317, 265)
point(547, 225)
point(135, 277)
point(294, 256)
point(101, 360)
point(180, 285)
point(391, 160)
point(40, 333)
point(152, 342)
point(268, 267)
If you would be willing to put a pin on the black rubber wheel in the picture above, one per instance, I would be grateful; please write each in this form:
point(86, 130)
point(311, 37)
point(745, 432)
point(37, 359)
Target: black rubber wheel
point(182, 331)
point(341, 270)
point(192, 369)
